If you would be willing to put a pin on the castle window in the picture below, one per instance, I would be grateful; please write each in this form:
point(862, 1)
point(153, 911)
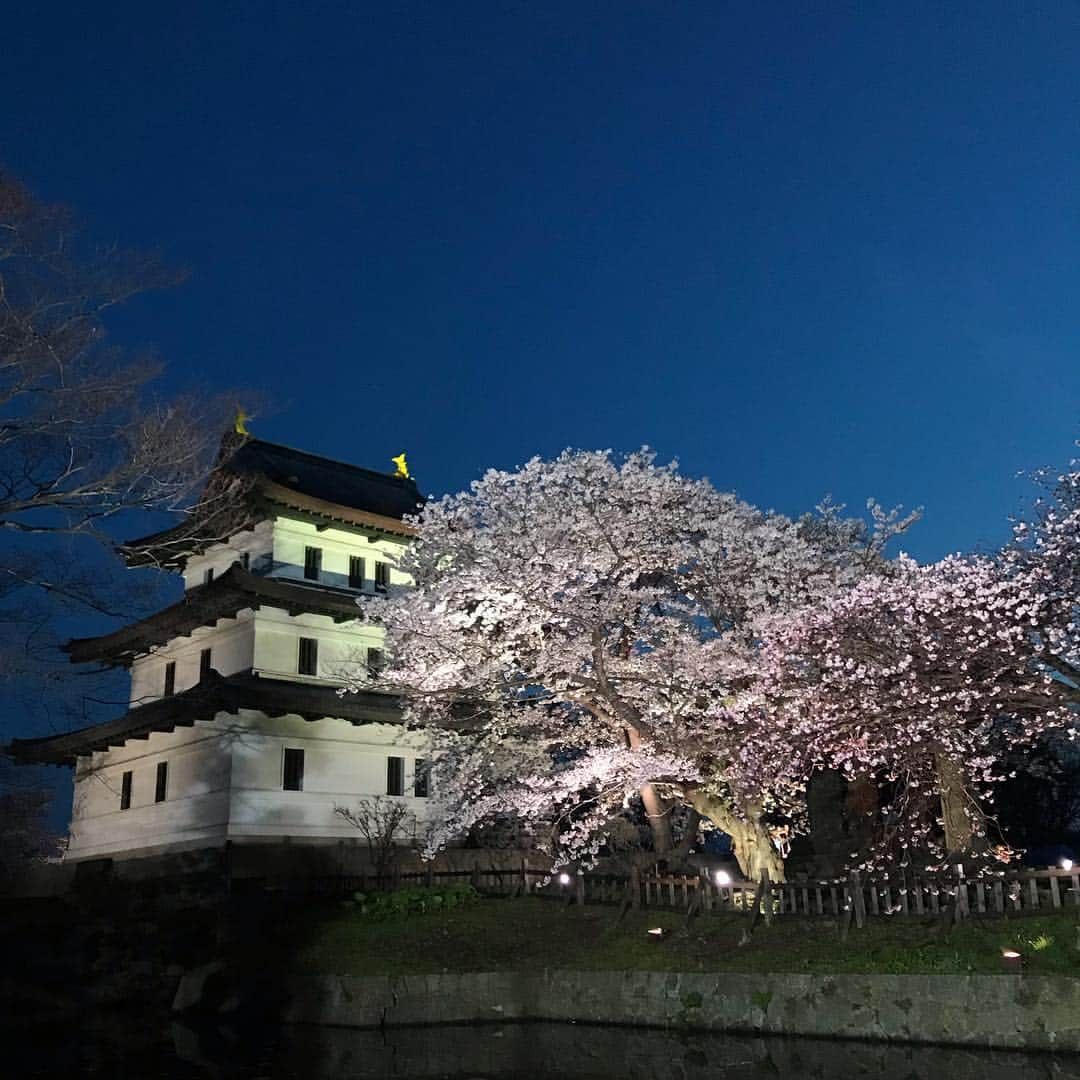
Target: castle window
point(375, 662)
point(356, 572)
point(208, 575)
point(161, 781)
point(382, 576)
point(245, 560)
point(292, 769)
point(312, 563)
point(421, 778)
point(125, 791)
point(395, 776)
point(170, 679)
point(309, 656)
point(204, 664)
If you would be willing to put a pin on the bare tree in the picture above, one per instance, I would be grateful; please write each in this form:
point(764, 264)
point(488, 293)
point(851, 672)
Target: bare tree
point(382, 822)
point(82, 436)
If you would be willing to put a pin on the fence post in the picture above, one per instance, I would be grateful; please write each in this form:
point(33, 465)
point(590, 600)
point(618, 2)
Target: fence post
point(858, 901)
point(635, 887)
point(963, 909)
point(524, 876)
point(474, 877)
point(429, 874)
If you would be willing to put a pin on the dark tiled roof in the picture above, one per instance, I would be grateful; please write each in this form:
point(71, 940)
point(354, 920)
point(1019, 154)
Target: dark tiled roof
point(203, 605)
point(253, 476)
point(323, 478)
point(215, 694)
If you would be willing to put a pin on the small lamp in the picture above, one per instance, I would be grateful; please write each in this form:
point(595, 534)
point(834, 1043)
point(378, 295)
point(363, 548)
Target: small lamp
point(1012, 960)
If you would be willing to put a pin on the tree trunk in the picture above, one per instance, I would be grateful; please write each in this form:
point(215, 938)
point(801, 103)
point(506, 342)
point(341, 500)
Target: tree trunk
point(862, 819)
point(958, 813)
point(825, 795)
point(658, 812)
point(754, 849)
point(657, 809)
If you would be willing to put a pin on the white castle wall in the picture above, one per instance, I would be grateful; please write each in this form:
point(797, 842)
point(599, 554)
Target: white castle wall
point(225, 775)
point(225, 782)
point(196, 808)
point(232, 645)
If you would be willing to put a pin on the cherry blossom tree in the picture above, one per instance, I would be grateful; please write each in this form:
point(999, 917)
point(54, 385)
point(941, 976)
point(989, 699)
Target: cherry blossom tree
point(578, 632)
point(932, 676)
point(1045, 558)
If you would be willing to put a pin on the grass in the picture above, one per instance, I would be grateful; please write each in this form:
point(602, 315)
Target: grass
point(526, 934)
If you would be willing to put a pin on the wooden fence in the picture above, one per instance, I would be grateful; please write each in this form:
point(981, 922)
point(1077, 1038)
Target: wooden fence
point(894, 895)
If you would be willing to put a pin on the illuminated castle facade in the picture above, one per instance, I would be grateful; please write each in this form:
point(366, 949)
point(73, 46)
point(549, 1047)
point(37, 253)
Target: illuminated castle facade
point(236, 730)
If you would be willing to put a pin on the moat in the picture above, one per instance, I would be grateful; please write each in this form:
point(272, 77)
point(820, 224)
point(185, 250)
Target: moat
point(113, 1045)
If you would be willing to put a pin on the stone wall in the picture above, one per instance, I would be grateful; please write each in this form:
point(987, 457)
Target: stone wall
point(976, 1010)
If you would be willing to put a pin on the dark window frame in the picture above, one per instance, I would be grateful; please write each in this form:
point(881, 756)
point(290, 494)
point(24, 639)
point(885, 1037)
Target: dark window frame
point(382, 576)
point(206, 663)
point(357, 571)
point(395, 775)
point(376, 662)
point(292, 768)
point(170, 679)
point(126, 784)
point(421, 778)
point(208, 575)
point(161, 782)
point(312, 563)
point(307, 656)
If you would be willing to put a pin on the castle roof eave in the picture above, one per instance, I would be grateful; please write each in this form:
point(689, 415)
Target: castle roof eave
point(255, 479)
point(215, 695)
point(203, 605)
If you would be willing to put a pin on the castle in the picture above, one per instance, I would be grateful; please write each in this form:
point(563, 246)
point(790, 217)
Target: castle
point(236, 731)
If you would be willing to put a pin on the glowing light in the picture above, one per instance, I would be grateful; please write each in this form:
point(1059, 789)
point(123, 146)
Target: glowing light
point(723, 877)
point(564, 879)
point(1010, 954)
point(1066, 864)
point(657, 931)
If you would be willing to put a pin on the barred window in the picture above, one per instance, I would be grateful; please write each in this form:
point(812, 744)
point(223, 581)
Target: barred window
point(395, 776)
point(309, 656)
point(356, 572)
point(382, 576)
point(292, 769)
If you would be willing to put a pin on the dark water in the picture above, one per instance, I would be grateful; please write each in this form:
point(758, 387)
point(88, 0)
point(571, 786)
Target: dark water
point(122, 1048)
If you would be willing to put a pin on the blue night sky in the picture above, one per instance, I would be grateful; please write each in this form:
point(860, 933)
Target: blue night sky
point(804, 252)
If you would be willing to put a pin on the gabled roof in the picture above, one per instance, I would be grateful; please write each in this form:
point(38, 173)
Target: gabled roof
point(203, 605)
point(215, 694)
point(383, 494)
point(253, 477)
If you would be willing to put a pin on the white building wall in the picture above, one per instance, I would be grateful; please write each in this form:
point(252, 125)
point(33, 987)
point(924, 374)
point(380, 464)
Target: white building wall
point(196, 808)
point(225, 782)
point(343, 763)
point(292, 536)
point(342, 648)
point(256, 543)
point(232, 650)
point(225, 776)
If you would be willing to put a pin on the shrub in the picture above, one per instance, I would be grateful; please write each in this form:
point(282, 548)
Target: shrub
point(404, 903)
